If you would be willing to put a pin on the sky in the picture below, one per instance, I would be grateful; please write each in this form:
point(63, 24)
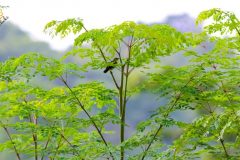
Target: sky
point(32, 15)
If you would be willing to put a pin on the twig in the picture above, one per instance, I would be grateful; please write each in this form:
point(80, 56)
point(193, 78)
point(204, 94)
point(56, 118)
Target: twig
point(122, 129)
point(86, 112)
point(58, 146)
point(119, 55)
point(46, 145)
point(168, 112)
point(124, 42)
point(114, 79)
point(10, 138)
point(70, 144)
point(101, 51)
point(33, 120)
point(224, 148)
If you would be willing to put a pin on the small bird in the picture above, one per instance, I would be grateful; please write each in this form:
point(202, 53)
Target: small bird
point(111, 66)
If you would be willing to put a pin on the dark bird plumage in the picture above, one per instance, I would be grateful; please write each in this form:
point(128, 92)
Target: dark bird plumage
point(111, 66)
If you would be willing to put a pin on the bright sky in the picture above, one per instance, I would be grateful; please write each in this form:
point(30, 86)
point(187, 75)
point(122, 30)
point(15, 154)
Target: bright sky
point(32, 15)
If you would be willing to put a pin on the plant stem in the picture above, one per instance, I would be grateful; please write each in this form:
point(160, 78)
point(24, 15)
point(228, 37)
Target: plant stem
point(113, 78)
point(33, 119)
point(101, 51)
point(70, 144)
point(35, 139)
point(46, 145)
point(58, 146)
point(119, 54)
point(224, 148)
point(123, 97)
point(166, 115)
point(88, 115)
point(220, 139)
point(121, 102)
point(14, 146)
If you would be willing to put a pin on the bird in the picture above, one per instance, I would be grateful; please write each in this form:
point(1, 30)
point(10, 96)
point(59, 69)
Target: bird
point(112, 65)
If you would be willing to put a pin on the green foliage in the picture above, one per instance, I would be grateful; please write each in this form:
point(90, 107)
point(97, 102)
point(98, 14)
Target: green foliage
point(224, 22)
point(52, 115)
point(70, 121)
point(148, 42)
point(63, 28)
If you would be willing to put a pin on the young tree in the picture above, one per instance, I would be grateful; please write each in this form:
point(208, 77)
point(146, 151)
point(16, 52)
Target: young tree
point(69, 121)
point(143, 44)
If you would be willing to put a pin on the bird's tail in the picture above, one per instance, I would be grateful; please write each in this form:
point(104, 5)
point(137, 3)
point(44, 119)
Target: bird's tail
point(106, 70)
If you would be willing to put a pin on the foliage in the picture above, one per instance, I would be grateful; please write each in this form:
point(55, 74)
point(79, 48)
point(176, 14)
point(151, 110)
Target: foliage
point(71, 121)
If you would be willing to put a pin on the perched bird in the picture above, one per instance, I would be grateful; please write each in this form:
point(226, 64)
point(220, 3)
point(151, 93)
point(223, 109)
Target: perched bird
point(112, 65)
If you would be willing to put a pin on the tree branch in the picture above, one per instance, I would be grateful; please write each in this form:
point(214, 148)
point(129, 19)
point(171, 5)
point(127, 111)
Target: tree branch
point(33, 120)
point(70, 144)
point(124, 42)
point(224, 148)
point(113, 78)
point(166, 115)
point(101, 51)
point(122, 129)
point(119, 55)
point(86, 112)
point(10, 138)
point(35, 142)
point(58, 146)
point(46, 145)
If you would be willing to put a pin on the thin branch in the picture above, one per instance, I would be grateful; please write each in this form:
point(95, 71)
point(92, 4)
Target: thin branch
point(209, 107)
point(166, 115)
point(151, 142)
point(101, 51)
point(159, 128)
point(234, 23)
point(84, 28)
point(128, 98)
point(224, 148)
point(124, 42)
point(70, 144)
point(10, 138)
point(211, 112)
point(174, 154)
point(35, 145)
point(58, 146)
point(237, 30)
point(220, 139)
point(114, 79)
point(121, 102)
point(121, 90)
point(127, 72)
point(226, 93)
point(122, 130)
point(86, 112)
point(33, 120)
point(119, 54)
point(46, 145)
point(130, 71)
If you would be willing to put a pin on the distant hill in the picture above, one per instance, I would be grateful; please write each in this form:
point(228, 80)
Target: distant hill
point(183, 23)
point(14, 42)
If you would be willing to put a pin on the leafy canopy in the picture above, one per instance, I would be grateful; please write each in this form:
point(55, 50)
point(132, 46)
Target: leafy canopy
point(71, 121)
